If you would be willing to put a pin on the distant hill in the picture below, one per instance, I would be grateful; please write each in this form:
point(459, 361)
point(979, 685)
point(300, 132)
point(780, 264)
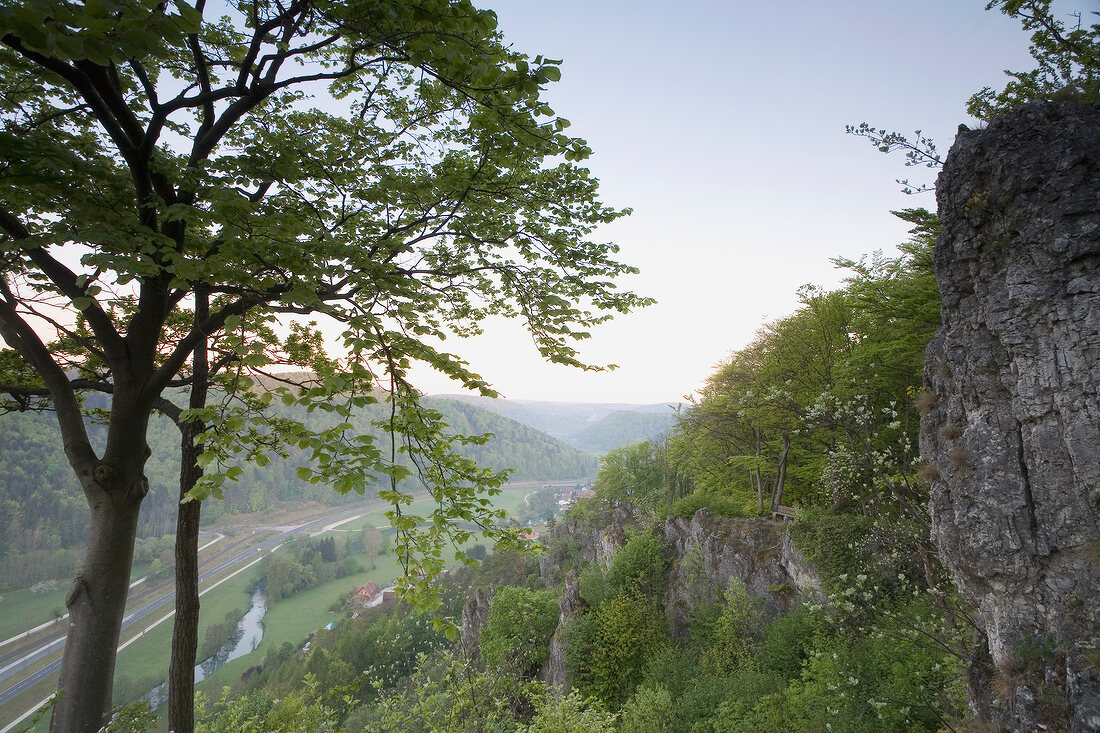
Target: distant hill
point(622, 427)
point(532, 453)
point(42, 508)
point(590, 426)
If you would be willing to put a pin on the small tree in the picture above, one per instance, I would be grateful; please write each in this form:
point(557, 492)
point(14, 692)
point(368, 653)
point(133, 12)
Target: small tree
point(169, 183)
point(373, 544)
point(518, 628)
point(1067, 58)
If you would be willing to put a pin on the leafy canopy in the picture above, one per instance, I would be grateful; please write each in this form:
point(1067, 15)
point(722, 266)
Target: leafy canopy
point(387, 167)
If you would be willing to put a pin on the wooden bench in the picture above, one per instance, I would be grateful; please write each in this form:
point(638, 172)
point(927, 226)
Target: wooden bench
point(783, 514)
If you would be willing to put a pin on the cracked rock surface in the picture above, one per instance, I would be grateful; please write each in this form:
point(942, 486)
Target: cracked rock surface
point(1015, 369)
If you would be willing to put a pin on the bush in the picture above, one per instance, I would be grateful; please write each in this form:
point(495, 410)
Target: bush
point(735, 632)
point(571, 714)
point(700, 700)
point(639, 567)
point(627, 628)
point(672, 667)
point(579, 640)
point(874, 683)
point(787, 643)
point(587, 509)
point(716, 504)
point(592, 585)
point(519, 627)
point(650, 710)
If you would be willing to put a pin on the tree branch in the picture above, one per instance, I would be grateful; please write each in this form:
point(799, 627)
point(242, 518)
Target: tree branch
point(21, 337)
point(175, 361)
point(66, 282)
point(81, 84)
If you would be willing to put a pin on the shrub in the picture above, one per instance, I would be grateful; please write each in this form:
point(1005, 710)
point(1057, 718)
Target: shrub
point(627, 627)
point(736, 630)
point(592, 585)
point(639, 567)
point(716, 504)
point(787, 643)
point(519, 627)
point(650, 710)
point(570, 714)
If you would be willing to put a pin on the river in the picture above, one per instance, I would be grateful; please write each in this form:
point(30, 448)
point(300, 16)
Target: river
point(246, 639)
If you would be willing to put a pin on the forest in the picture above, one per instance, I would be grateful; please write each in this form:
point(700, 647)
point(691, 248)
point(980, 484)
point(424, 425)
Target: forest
point(44, 527)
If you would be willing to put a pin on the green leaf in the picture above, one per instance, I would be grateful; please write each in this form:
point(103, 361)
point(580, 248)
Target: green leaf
point(190, 18)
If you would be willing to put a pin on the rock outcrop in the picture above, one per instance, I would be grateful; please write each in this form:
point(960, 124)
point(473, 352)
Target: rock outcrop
point(475, 616)
point(705, 553)
point(708, 551)
point(590, 541)
point(554, 669)
point(1013, 437)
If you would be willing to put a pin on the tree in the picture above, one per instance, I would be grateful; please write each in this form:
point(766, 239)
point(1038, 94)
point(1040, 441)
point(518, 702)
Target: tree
point(746, 432)
point(518, 629)
point(1067, 60)
point(373, 544)
point(384, 166)
point(630, 474)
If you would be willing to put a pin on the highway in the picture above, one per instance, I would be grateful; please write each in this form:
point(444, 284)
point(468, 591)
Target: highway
point(52, 646)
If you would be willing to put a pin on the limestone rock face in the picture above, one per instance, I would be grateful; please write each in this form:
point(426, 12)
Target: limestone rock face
point(592, 544)
point(708, 551)
point(554, 670)
point(1014, 434)
point(475, 616)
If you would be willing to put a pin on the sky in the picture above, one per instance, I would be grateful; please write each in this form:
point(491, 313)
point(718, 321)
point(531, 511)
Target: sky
point(722, 125)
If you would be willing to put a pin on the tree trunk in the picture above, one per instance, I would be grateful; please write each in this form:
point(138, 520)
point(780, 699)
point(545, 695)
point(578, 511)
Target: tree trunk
point(759, 483)
point(185, 632)
point(781, 474)
point(97, 599)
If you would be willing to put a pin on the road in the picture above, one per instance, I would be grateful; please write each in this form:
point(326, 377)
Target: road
point(140, 613)
point(55, 644)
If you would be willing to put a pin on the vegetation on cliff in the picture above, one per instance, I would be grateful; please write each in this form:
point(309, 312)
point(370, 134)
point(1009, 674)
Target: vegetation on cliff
point(819, 412)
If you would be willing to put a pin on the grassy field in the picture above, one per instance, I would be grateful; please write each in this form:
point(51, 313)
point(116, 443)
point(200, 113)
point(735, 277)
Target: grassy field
point(23, 609)
point(144, 664)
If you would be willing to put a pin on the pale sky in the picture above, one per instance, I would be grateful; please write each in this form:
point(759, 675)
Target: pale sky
point(722, 125)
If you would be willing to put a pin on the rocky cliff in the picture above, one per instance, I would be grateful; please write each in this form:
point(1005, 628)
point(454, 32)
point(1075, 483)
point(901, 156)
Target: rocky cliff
point(475, 616)
point(554, 670)
point(707, 552)
point(1013, 437)
point(588, 540)
point(704, 553)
